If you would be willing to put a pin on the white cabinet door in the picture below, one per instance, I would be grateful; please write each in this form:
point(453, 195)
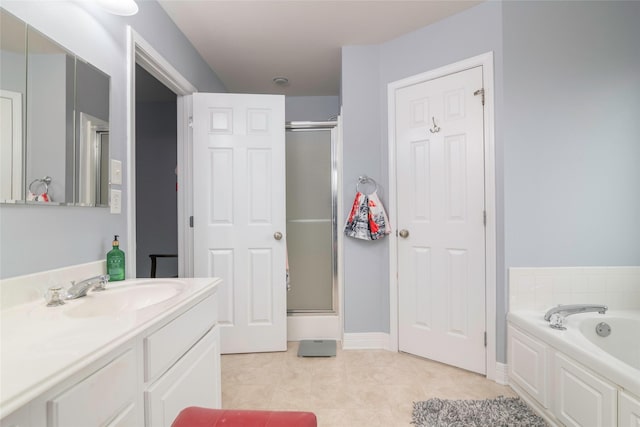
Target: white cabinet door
point(582, 399)
point(629, 407)
point(193, 381)
point(441, 252)
point(528, 365)
point(239, 215)
point(127, 418)
point(100, 399)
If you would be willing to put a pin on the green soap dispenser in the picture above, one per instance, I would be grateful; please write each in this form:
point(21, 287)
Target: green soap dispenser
point(115, 261)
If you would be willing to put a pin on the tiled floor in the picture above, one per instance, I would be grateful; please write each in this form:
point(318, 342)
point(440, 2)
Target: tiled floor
point(355, 388)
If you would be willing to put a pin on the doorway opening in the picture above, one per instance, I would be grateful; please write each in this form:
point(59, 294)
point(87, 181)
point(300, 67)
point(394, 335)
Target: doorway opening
point(156, 173)
point(141, 55)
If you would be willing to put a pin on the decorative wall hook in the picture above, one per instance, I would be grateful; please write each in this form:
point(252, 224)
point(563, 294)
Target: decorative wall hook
point(435, 128)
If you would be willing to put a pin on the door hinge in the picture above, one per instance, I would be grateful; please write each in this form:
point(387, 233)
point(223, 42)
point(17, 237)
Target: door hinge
point(191, 221)
point(191, 119)
point(485, 339)
point(484, 218)
point(481, 93)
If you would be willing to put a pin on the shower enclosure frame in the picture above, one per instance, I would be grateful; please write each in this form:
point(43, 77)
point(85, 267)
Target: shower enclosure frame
point(332, 126)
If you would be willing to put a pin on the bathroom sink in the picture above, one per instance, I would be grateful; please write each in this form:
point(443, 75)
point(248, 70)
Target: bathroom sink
point(123, 299)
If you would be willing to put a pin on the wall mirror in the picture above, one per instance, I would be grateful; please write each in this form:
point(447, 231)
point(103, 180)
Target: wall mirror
point(54, 121)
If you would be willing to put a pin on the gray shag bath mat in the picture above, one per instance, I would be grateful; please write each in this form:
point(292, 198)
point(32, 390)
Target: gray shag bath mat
point(501, 411)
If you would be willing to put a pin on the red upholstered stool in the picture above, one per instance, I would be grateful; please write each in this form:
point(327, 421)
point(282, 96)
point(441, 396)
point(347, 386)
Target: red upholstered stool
point(205, 417)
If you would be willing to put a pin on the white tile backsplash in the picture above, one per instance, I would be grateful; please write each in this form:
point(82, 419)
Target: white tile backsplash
point(542, 288)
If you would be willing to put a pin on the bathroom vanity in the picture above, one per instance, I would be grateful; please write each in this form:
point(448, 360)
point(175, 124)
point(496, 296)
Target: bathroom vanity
point(133, 355)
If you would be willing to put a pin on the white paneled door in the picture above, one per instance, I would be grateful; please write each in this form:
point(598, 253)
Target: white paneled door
point(239, 215)
point(440, 193)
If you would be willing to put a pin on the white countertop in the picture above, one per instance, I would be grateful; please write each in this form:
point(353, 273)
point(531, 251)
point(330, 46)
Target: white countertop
point(41, 346)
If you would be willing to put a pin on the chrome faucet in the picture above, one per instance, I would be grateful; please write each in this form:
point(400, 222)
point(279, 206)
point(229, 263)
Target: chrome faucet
point(556, 315)
point(81, 288)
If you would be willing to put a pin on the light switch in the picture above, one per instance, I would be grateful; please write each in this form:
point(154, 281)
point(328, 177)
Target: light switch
point(116, 171)
point(116, 201)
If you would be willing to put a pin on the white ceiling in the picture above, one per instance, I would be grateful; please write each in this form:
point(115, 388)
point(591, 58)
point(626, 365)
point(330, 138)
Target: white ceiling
point(248, 43)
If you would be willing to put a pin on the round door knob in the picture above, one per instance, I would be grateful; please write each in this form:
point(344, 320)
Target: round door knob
point(404, 233)
point(277, 235)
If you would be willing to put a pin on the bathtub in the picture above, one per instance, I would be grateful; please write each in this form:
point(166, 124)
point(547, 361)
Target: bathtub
point(623, 342)
point(575, 376)
point(615, 357)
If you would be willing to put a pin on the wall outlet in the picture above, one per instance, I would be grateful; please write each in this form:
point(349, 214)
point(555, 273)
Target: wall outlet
point(116, 171)
point(116, 201)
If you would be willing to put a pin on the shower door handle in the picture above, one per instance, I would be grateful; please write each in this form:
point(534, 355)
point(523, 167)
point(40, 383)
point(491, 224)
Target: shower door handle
point(404, 233)
point(277, 235)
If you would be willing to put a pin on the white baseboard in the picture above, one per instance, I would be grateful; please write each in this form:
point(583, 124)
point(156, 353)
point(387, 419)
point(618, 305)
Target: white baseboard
point(502, 373)
point(313, 327)
point(366, 340)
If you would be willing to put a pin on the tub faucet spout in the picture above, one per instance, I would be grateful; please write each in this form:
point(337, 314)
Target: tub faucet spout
point(556, 315)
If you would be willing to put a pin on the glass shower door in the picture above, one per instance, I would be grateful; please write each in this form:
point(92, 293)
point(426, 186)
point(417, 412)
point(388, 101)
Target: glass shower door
point(310, 229)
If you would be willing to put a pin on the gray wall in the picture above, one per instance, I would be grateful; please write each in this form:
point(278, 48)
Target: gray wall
point(48, 107)
point(572, 122)
point(366, 71)
point(366, 266)
point(571, 107)
point(36, 238)
point(567, 92)
point(15, 77)
point(311, 108)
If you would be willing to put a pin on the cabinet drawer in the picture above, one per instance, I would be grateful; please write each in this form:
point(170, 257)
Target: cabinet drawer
point(165, 346)
point(98, 399)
